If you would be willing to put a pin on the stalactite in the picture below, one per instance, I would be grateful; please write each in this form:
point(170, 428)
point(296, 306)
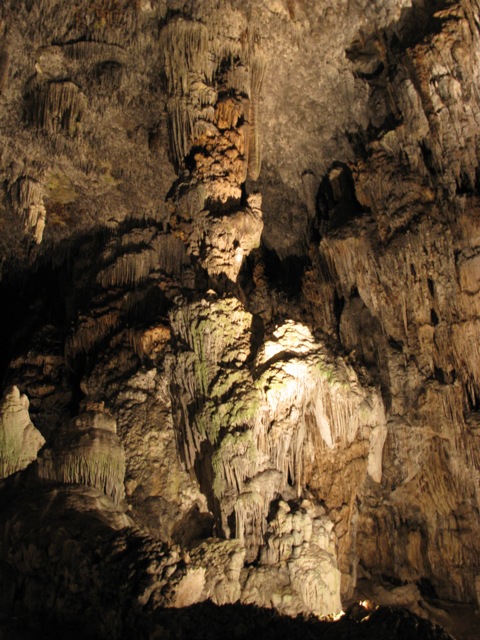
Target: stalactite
point(108, 76)
point(166, 253)
point(212, 331)
point(85, 454)
point(27, 197)
point(190, 60)
point(128, 270)
point(251, 509)
point(4, 68)
point(184, 49)
point(25, 192)
point(306, 384)
point(57, 106)
point(250, 517)
point(180, 127)
point(228, 112)
point(237, 76)
point(234, 460)
point(345, 259)
point(101, 472)
point(467, 352)
point(191, 438)
point(90, 331)
point(92, 50)
point(337, 413)
point(257, 74)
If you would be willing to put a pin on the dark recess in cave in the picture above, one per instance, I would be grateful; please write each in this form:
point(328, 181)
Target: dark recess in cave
point(285, 275)
point(29, 302)
point(337, 202)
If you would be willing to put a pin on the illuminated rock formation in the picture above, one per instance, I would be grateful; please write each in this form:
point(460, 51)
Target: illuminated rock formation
point(19, 440)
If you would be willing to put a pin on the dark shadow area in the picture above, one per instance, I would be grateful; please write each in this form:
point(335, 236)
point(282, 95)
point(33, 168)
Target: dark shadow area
point(337, 202)
point(426, 588)
point(29, 301)
point(91, 581)
point(416, 22)
point(43, 303)
point(257, 337)
point(194, 526)
point(205, 475)
point(207, 621)
point(285, 275)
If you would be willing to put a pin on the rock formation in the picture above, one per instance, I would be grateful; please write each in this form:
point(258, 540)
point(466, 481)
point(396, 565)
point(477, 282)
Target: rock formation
point(19, 440)
point(239, 282)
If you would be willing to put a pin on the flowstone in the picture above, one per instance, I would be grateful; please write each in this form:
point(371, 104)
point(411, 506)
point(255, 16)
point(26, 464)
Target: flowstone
point(252, 431)
point(298, 566)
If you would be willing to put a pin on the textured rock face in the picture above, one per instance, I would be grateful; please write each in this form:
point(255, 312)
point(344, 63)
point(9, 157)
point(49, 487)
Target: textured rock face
point(239, 252)
point(87, 452)
point(19, 440)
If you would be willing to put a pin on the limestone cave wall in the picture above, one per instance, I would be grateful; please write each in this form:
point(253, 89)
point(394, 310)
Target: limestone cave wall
point(240, 308)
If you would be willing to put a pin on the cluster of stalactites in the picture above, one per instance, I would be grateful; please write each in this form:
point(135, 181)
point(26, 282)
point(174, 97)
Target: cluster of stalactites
point(190, 60)
point(56, 107)
point(164, 252)
point(265, 429)
point(91, 330)
point(87, 452)
point(252, 507)
point(184, 47)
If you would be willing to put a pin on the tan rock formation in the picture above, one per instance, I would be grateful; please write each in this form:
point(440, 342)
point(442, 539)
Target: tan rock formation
point(87, 452)
point(20, 441)
point(298, 568)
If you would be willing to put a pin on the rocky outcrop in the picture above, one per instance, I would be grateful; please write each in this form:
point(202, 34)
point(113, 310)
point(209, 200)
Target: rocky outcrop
point(64, 546)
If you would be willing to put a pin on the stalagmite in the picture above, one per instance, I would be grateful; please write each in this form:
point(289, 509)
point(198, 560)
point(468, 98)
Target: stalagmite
point(298, 562)
point(257, 74)
point(20, 441)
